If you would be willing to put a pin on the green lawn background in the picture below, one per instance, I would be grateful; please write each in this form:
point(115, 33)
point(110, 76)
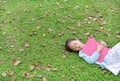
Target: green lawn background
point(34, 31)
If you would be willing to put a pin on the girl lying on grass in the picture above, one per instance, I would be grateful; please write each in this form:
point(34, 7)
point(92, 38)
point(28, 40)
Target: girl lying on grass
point(97, 53)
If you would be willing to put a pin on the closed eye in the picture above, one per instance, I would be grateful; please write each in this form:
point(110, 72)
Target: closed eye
point(75, 43)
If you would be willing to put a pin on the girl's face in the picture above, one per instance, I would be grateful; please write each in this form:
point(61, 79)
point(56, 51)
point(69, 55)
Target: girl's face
point(75, 45)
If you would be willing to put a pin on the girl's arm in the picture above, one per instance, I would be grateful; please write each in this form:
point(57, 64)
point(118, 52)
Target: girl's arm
point(90, 59)
point(102, 43)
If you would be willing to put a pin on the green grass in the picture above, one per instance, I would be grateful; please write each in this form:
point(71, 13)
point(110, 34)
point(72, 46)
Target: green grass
point(45, 25)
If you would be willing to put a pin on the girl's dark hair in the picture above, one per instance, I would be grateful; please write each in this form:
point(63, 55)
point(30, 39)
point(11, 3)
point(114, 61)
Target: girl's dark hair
point(67, 44)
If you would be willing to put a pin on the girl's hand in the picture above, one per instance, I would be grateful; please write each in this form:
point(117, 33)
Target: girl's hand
point(102, 43)
point(99, 47)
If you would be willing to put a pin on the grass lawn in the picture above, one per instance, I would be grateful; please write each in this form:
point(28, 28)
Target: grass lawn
point(33, 33)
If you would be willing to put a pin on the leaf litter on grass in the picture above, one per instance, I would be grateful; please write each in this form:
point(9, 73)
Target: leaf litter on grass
point(90, 19)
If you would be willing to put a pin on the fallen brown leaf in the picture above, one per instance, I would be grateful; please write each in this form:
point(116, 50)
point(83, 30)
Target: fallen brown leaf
point(76, 7)
point(82, 67)
point(35, 64)
point(44, 35)
point(103, 72)
point(44, 79)
point(64, 56)
point(0, 48)
point(61, 33)
point(38, 67)
point(117, 32)
point(72, 80)
point(87, 34)
point(10, 74)
point(16, 62)
point(74, 33)
point(38, 27)
point(24, 74)
point(30, 76)
point(4, 74)
point(2, 61)
point(49, 65)
point(40, 76)
point(118, 36)
point(13, 61)
point(54, 69)
point(47, 69)
point(27, 45)
point(50, 30)
point(31, 68)
point(21, 50)
point(101, 29)
point(12, 46)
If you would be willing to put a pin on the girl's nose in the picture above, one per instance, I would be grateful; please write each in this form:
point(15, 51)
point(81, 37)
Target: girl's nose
point(76, 45)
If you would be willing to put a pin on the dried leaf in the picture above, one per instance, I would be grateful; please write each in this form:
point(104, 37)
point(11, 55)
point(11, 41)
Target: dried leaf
point(38, 27)
point(64, 56)
point(107, 34)
point(24, 74)
point(30, 76)
point(63, 50)
point(2, 61)
point(71, 28)
point(104, 22)
point(44, 79)
point(61, 33)
point(47, 69)
point(87, 34)
point(4, 74)
point(35, 64)
point(82, 67)
point(73, 67)
point(72, 80)
point(109, 30)
point(13, 61)
point(12, 46)
point(38, 67)
point(49, 29)
point(3, 33)
point(44, 35)
point(11, 74)
point(103, 72)
point(117, 32)
point(101, 29)
point(40, 76)
point(31, 68)
point(0, 48)
point(49, 65)
point(31, 33)
point(78, 23)
point(118, 36)
point(8, 12)
point(27, 9)
point(16, 62)
point(54, 69)
point(76, 7)
point(58, 4)
point(65, 0)
point(91, 36)
point(21, 50)
point(27, 45)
